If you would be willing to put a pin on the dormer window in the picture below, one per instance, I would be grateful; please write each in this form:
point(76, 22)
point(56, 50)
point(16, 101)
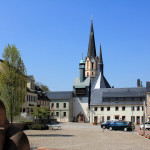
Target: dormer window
point(140, 99)
point(108, 101)
point(116, 100)
point(124, 100)
point(87, 74)
point(80, 91)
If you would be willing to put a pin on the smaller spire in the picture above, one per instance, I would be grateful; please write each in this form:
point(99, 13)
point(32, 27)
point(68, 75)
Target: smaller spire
point(82, 55)
point(100, 56)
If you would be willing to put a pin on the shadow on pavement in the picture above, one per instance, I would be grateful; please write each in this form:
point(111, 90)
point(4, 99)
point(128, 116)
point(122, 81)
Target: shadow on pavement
point(50, 135)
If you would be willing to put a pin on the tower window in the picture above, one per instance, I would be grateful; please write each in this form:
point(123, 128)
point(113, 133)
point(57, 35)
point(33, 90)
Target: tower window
point(87, 64)
point(87, 74)
point(92, 65)
point(92, 73)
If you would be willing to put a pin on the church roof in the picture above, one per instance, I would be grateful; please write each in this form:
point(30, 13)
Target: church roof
point(91, 47)
point(99, 82)
point(78, 84)
point(98, 95)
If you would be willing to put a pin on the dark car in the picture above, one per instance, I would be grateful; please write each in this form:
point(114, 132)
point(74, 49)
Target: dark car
point(121, 125)
point(105, 124)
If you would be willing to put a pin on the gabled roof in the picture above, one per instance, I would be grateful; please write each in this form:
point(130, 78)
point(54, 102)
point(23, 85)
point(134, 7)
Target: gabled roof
point(60, 95)
point(30, 77)
point(99, 82)
point(41, 95)
point(98, 95)
point(91, 47)
point(84, 84)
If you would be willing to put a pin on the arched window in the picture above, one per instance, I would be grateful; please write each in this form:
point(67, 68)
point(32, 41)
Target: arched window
point(87, 64)
point(87, 74)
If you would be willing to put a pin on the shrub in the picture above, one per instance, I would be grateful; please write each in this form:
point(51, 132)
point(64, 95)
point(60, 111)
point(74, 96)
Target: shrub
point(38, 127)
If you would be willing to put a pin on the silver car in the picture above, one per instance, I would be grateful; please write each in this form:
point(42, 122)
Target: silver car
point(147, 126)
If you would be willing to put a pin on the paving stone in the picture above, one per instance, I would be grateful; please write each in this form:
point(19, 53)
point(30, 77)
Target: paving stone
point(80, 136)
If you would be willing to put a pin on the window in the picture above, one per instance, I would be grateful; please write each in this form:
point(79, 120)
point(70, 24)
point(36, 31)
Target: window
point(116, 100)
point(138, 108)
point(64, 105)
point(64, 114)
point(140, 99)
point(92, 65)
point(57, 114)
point(27, 97)
point(24, 110)
point(57, 105)
point(132, 100)
point(95, 108)
point(124, 100)
point(102, 108)
point(87, 74)
point(92, 73)
point(108, 117)
point(132, 108)
point(108, 108)
point(52, 105)
point(123, 108)
point(116, 117)
point(87, 64)
point(142, 108)
point(108, 100)
point(116, 108)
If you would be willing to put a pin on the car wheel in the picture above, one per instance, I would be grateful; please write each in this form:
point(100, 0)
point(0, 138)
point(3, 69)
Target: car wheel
point(103, 127)
point(110, 128)
point(125, 129)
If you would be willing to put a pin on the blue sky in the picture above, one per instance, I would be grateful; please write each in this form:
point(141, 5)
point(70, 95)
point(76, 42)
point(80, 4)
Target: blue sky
point(51, 36)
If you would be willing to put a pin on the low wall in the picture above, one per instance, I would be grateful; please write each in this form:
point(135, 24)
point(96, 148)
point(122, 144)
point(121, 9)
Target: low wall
point(21, 125)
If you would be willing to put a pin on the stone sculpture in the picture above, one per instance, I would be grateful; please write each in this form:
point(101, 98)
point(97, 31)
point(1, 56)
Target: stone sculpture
point(11, 137)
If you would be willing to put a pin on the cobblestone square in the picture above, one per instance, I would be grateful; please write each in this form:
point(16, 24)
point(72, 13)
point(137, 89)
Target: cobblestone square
point(84, 136)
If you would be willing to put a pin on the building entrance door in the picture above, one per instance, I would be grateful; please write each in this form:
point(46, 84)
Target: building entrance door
point(137, 120)
point(95, 119)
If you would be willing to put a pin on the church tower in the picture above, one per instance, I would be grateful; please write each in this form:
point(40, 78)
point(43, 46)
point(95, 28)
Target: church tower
point(91, 61)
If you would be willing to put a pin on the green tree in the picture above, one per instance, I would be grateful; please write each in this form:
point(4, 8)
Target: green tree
point(43, 87)
point(40, 112)
point(13, 81)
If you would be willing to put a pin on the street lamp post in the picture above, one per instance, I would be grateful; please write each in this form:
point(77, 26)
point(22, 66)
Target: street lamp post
point(143, 117)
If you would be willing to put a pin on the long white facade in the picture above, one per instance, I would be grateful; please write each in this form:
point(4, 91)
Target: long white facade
point(124, 112)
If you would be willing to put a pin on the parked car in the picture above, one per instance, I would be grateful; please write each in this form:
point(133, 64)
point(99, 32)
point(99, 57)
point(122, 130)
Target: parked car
point(121, 125)
point(147, 126)
point(105, 124)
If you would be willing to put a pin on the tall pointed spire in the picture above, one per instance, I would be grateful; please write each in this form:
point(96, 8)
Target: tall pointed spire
point(100, 56)
point(91, 48)
point(100, 61)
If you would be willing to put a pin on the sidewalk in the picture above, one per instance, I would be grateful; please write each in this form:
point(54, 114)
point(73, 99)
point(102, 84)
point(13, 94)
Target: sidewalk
point(137, 130)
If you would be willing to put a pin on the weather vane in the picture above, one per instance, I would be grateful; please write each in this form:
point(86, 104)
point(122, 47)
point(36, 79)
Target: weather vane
point(82, 55)
point(91, 17)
